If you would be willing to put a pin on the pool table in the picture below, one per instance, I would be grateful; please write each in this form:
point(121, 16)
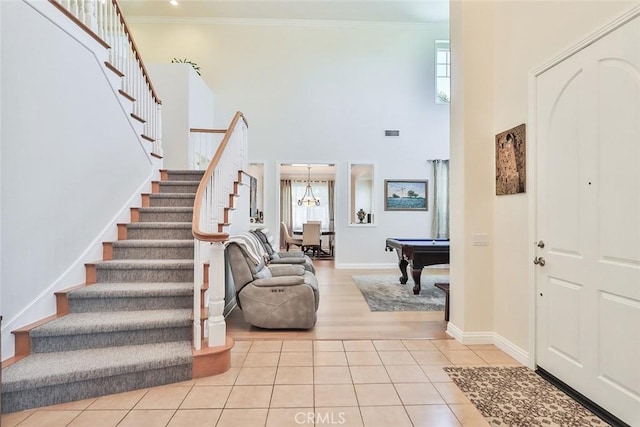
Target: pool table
point(418, 253)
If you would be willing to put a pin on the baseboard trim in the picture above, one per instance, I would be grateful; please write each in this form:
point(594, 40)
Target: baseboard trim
point(489, 337)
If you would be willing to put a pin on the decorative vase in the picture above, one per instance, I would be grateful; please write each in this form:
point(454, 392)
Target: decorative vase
point(361, 214)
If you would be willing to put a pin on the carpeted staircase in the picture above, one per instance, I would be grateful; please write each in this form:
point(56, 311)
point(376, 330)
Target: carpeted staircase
point(131, 328)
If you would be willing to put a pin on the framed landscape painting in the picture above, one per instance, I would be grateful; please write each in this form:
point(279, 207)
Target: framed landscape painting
point(405, 195)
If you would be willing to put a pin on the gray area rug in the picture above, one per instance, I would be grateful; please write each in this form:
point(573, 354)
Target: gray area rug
point(516, 396)
point(383, 292)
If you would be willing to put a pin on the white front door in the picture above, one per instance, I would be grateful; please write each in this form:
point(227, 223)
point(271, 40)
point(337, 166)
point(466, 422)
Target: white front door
point(588, 216)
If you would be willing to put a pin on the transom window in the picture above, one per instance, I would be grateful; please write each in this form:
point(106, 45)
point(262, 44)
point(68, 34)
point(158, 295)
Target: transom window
point(443, 72)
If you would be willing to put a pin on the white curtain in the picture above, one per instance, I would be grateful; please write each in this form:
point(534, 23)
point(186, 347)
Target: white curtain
point(440, 216)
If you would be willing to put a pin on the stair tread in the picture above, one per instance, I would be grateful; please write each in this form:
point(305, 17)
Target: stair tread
point(134, 290)
point(47, 369)
point(154, 209)
point(113, 321)
point(159, 225)
point(179, 182)
point(142, 263)
point(173, 195)
point(160, 243)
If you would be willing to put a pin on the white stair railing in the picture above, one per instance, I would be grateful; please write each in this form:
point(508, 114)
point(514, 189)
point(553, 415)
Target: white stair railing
point(203, 144)
point(214, 198)
point(104, 21)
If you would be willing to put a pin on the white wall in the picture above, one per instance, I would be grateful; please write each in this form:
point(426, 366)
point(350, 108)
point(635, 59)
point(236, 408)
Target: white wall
point(71, 163)
point(495, 45)
point(322, 93)
point(187, 102)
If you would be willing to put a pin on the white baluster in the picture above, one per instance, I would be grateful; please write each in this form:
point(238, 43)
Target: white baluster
point(74, 8)
point(216, 322)
point(197, 303)
point(89, 17)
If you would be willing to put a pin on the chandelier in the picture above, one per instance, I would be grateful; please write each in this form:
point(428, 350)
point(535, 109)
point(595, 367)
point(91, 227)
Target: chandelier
point(308, 199)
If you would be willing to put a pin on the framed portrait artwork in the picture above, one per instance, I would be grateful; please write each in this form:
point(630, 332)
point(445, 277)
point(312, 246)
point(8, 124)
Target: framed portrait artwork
point(405, 195)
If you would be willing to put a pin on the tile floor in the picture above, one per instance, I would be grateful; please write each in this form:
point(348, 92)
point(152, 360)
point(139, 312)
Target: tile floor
point(282, 383)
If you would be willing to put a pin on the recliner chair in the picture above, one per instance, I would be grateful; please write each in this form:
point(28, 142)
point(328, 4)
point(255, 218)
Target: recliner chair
point(265, 238)
point(272, 297)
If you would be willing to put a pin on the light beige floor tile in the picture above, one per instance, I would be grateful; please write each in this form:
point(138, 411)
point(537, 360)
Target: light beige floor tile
point(420, 345)
point(101, 418)
point(330, 345)
point(14, 418)
point(126, 400)
point(468, 415)
point(292, 396)
point(188, 383)
point(76, 405)
point(241, 346)
point(338, 416)
point(296, 358)
point(206, 397)
point(397, 358)
point(463, 357)
point(406, 374)
point(451, 393)
point(263, 375)
point(369, 374)
point(226, 378)
point(332, 375)
point(389, 345)
point(335, 395)
point(377, 395)
point(290, 417)
point(432, 415)
point(430, 357)
point(242, 418)
point(163, 398)
point(261, 359)
point(249, 396)
point(363, 358)
point(49, 418)
point(496, 357)
point(436, 373)
point(385, 416)
point(419, 394)
point(297, 345)
point(266, 346)
point(237, 359)
point(358, 345)
point(294, 375)
point(147, 418)
point(475, 347)
point(329, 358)
point(449, 345)
point(195, 418)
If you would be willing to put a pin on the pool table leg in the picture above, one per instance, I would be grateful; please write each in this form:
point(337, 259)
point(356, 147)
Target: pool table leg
point(403, 269)
point(416, 273)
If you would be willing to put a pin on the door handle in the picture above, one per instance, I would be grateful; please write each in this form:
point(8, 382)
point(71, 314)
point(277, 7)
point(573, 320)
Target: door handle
point(539, 261)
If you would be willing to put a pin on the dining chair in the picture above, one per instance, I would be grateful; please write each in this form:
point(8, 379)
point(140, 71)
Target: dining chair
point(311, 237)
point(288, 238)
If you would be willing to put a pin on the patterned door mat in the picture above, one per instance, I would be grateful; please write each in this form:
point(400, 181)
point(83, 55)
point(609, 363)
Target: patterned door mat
point(518, 397)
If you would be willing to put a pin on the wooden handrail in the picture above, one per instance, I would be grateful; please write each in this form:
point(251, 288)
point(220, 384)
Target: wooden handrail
point(136, 53)
point(195, 228)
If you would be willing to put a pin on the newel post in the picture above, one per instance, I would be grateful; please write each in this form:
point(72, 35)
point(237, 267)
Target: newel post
point(216, 323)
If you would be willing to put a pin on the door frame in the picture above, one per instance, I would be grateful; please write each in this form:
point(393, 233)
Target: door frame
point(532, 162)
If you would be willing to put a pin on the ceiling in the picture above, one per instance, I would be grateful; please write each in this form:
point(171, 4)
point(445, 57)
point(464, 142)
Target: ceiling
point(420, 11)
